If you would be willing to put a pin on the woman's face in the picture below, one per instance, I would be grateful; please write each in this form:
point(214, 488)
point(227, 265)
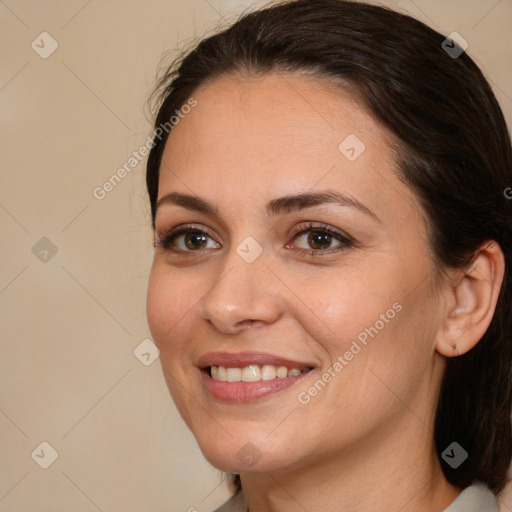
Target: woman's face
point(302, 250)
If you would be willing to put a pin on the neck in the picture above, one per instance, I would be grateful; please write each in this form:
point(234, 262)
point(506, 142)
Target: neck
point(389, 470)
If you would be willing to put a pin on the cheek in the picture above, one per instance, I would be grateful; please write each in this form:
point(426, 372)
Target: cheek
point(168, 308)
point(167, 305)
point(372, 328)
point(350, 308)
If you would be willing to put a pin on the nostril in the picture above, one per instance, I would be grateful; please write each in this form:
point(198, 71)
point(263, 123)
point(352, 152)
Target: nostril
point(246, 323)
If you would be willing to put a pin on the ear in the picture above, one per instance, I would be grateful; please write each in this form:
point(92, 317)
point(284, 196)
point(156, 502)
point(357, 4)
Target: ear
point(471, 301)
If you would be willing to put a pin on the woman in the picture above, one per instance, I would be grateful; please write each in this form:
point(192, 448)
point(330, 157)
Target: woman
point(330, 285)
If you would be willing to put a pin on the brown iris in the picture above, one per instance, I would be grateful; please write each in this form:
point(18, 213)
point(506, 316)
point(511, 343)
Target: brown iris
point(195, 240)
point(319, 239)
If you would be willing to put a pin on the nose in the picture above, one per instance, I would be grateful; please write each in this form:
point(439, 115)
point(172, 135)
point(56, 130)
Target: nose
point(244, 295)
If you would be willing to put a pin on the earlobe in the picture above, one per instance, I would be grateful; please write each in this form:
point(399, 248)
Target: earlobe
point(472, 302)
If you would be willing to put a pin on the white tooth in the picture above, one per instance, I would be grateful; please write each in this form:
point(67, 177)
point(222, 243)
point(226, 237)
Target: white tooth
point(293, 371)
point(233, 374)
point(268, 372)
point(221, 373)
point(214, 372)
point(251, 373)
point(282, 372)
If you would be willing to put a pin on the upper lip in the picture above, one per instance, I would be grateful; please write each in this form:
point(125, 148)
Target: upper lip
point(243, 359)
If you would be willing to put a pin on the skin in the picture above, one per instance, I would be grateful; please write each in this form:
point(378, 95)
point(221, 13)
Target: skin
point(365, 442)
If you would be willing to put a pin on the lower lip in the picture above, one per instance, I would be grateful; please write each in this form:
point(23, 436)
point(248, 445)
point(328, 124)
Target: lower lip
point(243, 392)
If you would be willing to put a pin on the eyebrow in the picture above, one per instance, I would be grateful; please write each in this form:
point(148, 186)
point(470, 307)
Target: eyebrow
point(278, 206)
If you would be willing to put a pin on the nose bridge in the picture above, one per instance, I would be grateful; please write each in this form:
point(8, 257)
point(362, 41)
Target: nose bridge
point(245, 289)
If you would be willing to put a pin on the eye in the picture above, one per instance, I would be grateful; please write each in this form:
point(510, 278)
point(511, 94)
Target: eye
point(320, 238)
point(185, 239)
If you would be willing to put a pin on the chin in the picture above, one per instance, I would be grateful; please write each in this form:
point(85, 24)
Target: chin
point(237, 454)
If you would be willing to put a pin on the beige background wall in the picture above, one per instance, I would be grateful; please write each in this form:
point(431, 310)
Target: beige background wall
point(70, 321)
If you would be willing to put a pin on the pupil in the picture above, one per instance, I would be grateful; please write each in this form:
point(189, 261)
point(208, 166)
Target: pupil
point(194, 240)
point(318, 238)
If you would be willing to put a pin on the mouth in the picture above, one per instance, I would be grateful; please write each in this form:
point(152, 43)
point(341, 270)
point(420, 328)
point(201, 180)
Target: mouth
point(246, 377)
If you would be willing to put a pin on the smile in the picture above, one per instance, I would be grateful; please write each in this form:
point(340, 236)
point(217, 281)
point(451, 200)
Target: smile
point(249, 376)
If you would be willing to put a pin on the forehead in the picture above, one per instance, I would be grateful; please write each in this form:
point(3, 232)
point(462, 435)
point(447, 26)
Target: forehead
point(280, 132)
point(277, 113)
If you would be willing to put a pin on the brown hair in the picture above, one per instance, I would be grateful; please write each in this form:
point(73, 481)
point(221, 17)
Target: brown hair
point(455, 154)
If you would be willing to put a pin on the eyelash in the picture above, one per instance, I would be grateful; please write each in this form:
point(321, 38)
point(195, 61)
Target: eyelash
point(167, 239)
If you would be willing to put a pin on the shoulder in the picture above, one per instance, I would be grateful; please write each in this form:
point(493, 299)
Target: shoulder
point(475, 498)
